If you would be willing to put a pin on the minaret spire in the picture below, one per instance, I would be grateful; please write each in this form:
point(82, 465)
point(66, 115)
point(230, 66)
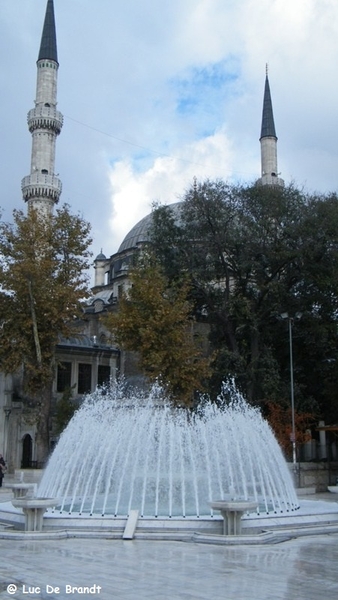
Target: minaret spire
point(42, 188)
point(48, 47)
point(268, 141)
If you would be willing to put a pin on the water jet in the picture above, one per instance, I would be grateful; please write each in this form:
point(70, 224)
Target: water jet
point(124, 451)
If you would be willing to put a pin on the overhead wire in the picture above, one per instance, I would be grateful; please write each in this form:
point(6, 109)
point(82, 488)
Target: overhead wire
point(149, 150)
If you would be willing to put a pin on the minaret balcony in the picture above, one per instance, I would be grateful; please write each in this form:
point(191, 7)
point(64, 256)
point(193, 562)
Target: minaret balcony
point(270, 179)
point(45, 117)
point(40, 185)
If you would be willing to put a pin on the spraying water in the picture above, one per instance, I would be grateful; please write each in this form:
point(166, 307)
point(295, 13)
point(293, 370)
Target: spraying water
point(123, 451)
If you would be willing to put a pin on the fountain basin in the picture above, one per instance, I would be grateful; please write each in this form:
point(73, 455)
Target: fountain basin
point(20, 490)
point(232, 512)
point(312, 518)
point(34, 509)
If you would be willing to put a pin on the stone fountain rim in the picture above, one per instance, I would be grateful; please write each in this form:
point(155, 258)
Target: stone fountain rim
point(234, 505)
point(37, 502)
point(179, 529)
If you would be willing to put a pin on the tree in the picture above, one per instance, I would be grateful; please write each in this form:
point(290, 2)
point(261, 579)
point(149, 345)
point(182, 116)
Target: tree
point(279, 418)
point(155, 321)
point(252, 252)
point(65, 410)
point(43, 262)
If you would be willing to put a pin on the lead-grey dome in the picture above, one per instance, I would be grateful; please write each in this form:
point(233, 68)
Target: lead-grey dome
point(100, 256)
point(140, 232)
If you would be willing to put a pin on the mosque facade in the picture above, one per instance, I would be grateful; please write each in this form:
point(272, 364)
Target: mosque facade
point(89, 358)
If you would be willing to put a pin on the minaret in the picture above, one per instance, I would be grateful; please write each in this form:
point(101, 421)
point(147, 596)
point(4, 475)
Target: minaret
point(268, 142)
point(42, 188)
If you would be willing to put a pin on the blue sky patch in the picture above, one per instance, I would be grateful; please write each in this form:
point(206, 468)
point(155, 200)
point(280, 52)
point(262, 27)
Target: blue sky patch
point(202, 88)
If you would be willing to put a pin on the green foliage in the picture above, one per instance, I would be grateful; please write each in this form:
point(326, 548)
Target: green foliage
point(155, 320)
point(65, 409)
point(43, 260)
point(251, 253)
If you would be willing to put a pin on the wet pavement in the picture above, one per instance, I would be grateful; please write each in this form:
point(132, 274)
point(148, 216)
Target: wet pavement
point(304, 568)
point(299, 569)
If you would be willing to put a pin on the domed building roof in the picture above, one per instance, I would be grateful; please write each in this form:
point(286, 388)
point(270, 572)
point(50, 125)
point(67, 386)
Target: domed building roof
point(140, 232)
point(100, 256)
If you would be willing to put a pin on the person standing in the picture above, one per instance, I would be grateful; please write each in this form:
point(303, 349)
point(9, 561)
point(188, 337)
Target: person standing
point(2, 468)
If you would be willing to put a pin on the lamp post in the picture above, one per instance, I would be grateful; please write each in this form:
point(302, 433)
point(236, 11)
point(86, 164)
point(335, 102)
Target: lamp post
point(290, 320)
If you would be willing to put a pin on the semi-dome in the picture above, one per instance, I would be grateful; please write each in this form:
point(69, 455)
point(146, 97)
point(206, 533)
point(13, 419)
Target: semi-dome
point(140, 232)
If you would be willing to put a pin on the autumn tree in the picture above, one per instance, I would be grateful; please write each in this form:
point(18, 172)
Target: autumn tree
point(279, 417)
point(155, 320)
point(43, 279)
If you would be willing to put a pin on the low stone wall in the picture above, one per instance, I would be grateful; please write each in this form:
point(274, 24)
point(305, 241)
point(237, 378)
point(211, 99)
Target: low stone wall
point(316, 475)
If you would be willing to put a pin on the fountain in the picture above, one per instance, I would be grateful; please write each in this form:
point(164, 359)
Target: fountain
point(130, 465)
point(123, 451)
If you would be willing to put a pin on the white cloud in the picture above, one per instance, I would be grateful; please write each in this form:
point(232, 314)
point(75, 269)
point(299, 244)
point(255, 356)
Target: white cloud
point(165, 180)
point(183, 79)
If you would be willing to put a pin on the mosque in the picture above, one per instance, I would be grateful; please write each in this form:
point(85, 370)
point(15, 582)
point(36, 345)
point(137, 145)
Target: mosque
point(89, 359)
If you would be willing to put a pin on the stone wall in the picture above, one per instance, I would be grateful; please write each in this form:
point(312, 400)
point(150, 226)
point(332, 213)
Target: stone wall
point(316, 475)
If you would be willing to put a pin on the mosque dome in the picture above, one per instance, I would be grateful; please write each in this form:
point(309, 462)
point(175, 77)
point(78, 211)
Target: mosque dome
point(140, 232)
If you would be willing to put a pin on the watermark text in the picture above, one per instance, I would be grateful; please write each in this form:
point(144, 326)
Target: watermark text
point(94, 589)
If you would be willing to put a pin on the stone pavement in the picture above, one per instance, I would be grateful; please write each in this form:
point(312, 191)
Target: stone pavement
point(300, 569)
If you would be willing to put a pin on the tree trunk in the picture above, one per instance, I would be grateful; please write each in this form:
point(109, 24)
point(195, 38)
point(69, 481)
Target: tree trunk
point(43, 398)
point(35, 325)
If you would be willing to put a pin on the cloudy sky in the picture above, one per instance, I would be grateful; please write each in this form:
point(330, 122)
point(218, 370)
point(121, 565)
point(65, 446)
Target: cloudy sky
point(155, 93)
